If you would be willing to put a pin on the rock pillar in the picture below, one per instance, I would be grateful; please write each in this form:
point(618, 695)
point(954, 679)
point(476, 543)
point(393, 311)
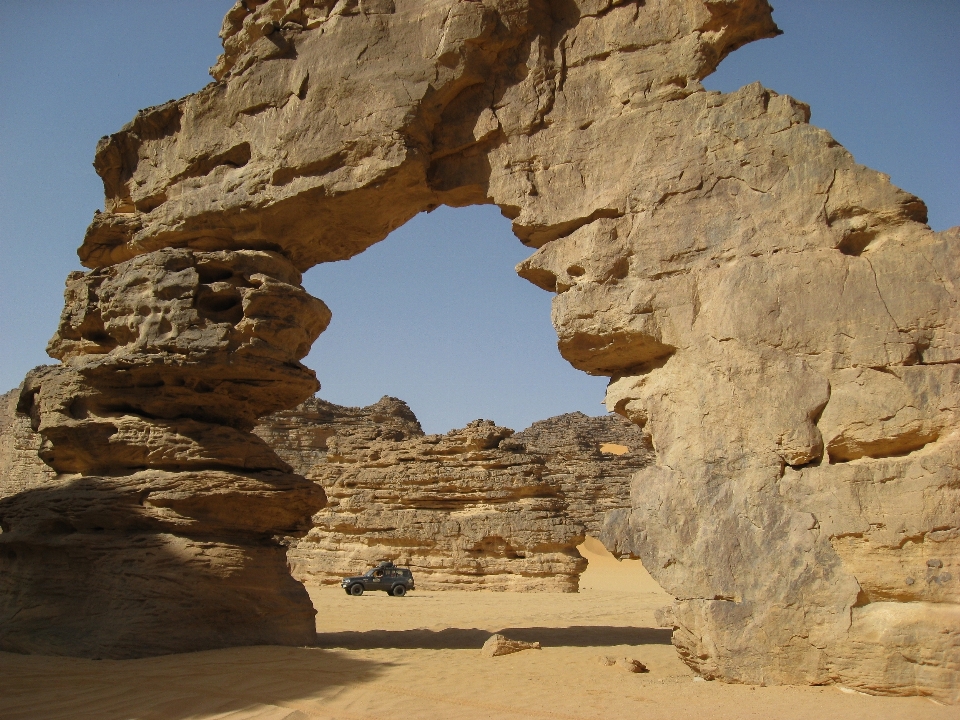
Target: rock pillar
point(157, 534)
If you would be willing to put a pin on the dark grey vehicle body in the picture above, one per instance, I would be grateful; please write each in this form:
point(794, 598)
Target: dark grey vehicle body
point(385, 576)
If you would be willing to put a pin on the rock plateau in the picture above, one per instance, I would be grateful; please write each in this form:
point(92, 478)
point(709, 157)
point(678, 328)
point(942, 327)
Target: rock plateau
point(479, 507)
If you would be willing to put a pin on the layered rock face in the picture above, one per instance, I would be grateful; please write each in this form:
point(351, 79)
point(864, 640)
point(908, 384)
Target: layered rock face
point(478, 508)
point(463, 509)
point(779, 319)
point(592, 460)
point(155, 532)
point(20, 465)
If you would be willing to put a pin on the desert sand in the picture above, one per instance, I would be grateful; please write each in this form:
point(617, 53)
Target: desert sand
point(419, 657)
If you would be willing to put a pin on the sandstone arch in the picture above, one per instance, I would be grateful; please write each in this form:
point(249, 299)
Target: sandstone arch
point(779, 319)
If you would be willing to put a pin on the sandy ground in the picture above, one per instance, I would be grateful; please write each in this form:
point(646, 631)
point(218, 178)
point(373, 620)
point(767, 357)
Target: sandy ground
point(418, 657)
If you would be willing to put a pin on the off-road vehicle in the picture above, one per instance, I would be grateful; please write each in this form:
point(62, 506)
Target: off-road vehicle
point(385, 576)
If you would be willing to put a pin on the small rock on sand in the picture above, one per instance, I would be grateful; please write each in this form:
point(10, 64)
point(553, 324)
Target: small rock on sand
point(624, 663)
point(500, 645)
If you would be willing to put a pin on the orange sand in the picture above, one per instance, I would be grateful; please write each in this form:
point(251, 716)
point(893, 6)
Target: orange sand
point(418, 657)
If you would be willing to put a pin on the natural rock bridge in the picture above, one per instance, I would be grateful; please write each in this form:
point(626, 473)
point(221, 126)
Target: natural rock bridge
point(780, 320)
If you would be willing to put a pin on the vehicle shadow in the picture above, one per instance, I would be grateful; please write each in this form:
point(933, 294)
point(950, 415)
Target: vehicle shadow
point(473, 638)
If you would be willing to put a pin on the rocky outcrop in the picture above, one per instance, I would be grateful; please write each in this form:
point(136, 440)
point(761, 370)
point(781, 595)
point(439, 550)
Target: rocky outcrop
point(156, 534)
point(497, 645)
point(481, 507)
point(591, 460)
point(300, 435)
point(20, 465)
point(461, 509)
point(730, 267)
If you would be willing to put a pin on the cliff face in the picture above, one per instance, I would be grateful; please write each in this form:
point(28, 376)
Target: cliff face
point(592, 460)
point(480, 507)
point(21, 468)
point(779, 319)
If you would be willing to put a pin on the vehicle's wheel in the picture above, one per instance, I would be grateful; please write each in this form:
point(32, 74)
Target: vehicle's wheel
point(398, 591)
point(356, 589)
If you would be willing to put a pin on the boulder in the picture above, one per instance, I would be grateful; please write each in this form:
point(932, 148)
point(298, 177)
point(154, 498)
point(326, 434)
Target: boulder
point(497, 645)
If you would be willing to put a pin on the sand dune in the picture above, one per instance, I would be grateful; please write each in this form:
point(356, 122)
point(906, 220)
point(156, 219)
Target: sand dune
point(418, 657)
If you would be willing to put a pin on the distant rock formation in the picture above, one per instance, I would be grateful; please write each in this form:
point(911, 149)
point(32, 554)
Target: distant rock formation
point(480, 507)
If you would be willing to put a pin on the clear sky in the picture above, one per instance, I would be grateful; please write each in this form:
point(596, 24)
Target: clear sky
point(435, 314)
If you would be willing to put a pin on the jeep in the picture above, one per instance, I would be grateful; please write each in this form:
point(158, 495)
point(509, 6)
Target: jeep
point(385, 576)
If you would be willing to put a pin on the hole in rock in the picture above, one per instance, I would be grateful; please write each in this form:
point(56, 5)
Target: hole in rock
point(855, 243)
point(436, 315)
point(211, 272)
point(220, 305)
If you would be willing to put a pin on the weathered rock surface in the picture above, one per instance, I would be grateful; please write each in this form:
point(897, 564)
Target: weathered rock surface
point(591, 459)
point(155, 532)
point(498, 645)
point(20, 465)
point(460, 506)
point(152, 562)
point(730, 267)
point(480, 507)
point(300, 435)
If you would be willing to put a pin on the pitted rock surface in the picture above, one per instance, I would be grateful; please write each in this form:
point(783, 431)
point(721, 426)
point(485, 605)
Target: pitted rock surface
point(20, 465)
point(161, 500)
point(478, 508)
point(729, 266)
point(591, 459)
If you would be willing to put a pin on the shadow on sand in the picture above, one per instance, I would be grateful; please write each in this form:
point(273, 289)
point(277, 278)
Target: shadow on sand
point(177, 687)
point(473, 638)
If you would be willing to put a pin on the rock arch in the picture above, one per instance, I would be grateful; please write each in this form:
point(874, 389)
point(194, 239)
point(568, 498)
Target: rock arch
point(779, 319)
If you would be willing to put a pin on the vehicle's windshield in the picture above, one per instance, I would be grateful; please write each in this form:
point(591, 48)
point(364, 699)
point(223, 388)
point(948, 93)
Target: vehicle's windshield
point(368, 573)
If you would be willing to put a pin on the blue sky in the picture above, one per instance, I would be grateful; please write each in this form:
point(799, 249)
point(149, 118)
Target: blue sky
point(435, 314)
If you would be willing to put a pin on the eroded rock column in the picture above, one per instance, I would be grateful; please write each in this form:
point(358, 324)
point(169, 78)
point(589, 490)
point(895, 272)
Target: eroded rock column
point(158, 532)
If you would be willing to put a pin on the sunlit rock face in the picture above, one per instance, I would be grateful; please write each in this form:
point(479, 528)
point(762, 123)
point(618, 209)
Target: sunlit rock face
point(779, 319)
point(480, 507)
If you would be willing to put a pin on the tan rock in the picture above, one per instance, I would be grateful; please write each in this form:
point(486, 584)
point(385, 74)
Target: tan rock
point(498, 645)
point(728, 265)
point(593, 480)
point(624, 663)
point(20, 465)
point(482, 507)
point(666, 616)
point(106, 563)
point(164, 502)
